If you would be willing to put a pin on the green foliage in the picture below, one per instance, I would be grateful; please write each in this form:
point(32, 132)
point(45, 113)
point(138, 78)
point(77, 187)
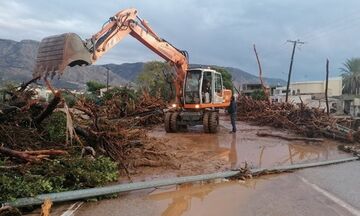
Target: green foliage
point(157, 79)
point(120, 91)
point(351, 76)
point(69, 99)
point(57, 175)
point(258, 95)
point(55, 127)
point(227, 77)
point(94, 87)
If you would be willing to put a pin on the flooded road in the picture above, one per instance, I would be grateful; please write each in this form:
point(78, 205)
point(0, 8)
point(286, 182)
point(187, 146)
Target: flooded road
point(285, 194)
point(280, 195)
point(246, 146)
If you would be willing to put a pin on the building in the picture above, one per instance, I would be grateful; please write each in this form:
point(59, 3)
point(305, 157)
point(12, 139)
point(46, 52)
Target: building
point(312, 93)
point(351, 105)
point(248, 89)
point(314, 88)
point(317, 88)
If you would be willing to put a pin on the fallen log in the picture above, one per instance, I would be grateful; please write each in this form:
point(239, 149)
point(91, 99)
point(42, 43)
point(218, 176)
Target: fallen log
point(263, 134)
point(30, 156)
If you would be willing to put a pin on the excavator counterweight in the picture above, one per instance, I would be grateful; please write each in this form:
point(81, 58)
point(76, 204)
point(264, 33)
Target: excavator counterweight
point(59, 51)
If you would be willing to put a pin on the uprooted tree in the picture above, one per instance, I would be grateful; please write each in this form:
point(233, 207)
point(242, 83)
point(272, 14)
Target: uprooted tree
point(157, 78)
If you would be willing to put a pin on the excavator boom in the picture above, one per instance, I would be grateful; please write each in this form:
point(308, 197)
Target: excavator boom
point(57, 52)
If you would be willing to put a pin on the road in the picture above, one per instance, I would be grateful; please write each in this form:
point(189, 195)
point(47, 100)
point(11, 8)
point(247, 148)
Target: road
point(330, 190)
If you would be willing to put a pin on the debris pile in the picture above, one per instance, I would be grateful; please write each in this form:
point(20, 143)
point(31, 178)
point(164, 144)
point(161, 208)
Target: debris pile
point(142, 110)
point(38, 137)
point(310, 122)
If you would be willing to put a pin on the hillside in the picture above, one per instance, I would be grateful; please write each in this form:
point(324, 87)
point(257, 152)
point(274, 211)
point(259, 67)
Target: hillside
point(17, 60)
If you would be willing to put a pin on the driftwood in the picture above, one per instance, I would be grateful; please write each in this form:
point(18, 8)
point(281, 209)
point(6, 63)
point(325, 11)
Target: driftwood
point(262, 134)
point(310, 122)
point(31, 156)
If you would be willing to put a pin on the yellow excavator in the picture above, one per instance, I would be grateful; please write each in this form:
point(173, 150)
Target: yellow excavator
point(199, 91)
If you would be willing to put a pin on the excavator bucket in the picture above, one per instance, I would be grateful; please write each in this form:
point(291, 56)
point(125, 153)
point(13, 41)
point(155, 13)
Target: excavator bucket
point(59, 51)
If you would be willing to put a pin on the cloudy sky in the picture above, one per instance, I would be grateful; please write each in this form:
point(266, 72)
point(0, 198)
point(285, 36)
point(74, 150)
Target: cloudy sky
point(220, 32)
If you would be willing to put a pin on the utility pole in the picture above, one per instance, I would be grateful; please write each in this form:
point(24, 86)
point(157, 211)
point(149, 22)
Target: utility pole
point(326, 86)
point(291, 64)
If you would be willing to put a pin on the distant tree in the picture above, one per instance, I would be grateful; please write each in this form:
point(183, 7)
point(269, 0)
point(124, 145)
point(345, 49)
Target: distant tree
point(351, 76)
point(94, 86)
point(157, 79)
point(227, 77)
point(258, 95)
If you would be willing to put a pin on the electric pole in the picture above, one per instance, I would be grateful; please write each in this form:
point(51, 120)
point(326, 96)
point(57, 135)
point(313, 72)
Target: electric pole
point(291, 64)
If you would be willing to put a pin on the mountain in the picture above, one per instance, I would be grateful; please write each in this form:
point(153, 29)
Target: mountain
point(17, 60)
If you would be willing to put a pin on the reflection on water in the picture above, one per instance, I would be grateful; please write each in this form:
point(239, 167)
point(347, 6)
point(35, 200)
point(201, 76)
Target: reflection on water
point(245, 146)
point(179, 199)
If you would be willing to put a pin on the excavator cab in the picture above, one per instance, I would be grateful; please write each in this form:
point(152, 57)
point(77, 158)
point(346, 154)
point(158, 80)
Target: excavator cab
point(203, 88)
point(57, 52)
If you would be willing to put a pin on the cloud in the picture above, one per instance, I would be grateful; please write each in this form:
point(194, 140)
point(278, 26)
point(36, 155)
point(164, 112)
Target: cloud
point(213, 31)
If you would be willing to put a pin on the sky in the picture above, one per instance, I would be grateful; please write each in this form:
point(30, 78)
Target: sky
point(219, 32)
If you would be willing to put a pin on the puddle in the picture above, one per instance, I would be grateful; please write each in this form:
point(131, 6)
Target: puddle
point(268, 195)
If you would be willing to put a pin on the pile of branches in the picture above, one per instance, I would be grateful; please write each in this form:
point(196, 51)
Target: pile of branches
point(120, 138)
point(88, 123)
point(310, 122)
point(21, 129)
point(143, 110)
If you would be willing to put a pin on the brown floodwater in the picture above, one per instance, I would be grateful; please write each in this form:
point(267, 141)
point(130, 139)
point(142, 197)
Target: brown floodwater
point(246, 147)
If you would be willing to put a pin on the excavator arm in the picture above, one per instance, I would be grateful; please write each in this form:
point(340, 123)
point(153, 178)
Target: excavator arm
point(57, 52)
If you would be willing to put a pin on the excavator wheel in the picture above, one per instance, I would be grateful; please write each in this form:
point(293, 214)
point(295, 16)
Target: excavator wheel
point(173, 122)
point(213, 122)
point(167, 122)
point(206, 122)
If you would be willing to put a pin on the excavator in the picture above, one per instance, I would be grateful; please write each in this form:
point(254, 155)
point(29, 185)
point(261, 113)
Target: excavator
point(199, 92)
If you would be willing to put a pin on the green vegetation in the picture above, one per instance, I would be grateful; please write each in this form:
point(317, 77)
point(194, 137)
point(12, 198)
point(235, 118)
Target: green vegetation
point(94, 87)
point(69, 173)
point(227, 77)
point(351, 76)
point(130, 94)
point(55, 127)
point(157, 79)
point(69, 99)
point(258, 95)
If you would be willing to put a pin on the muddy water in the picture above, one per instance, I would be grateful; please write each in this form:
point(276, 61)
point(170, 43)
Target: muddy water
point(279, 195)
point(246, 147)
point(274, 195)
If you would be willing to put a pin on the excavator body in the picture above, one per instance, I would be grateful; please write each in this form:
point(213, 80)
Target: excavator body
point(203, 96)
